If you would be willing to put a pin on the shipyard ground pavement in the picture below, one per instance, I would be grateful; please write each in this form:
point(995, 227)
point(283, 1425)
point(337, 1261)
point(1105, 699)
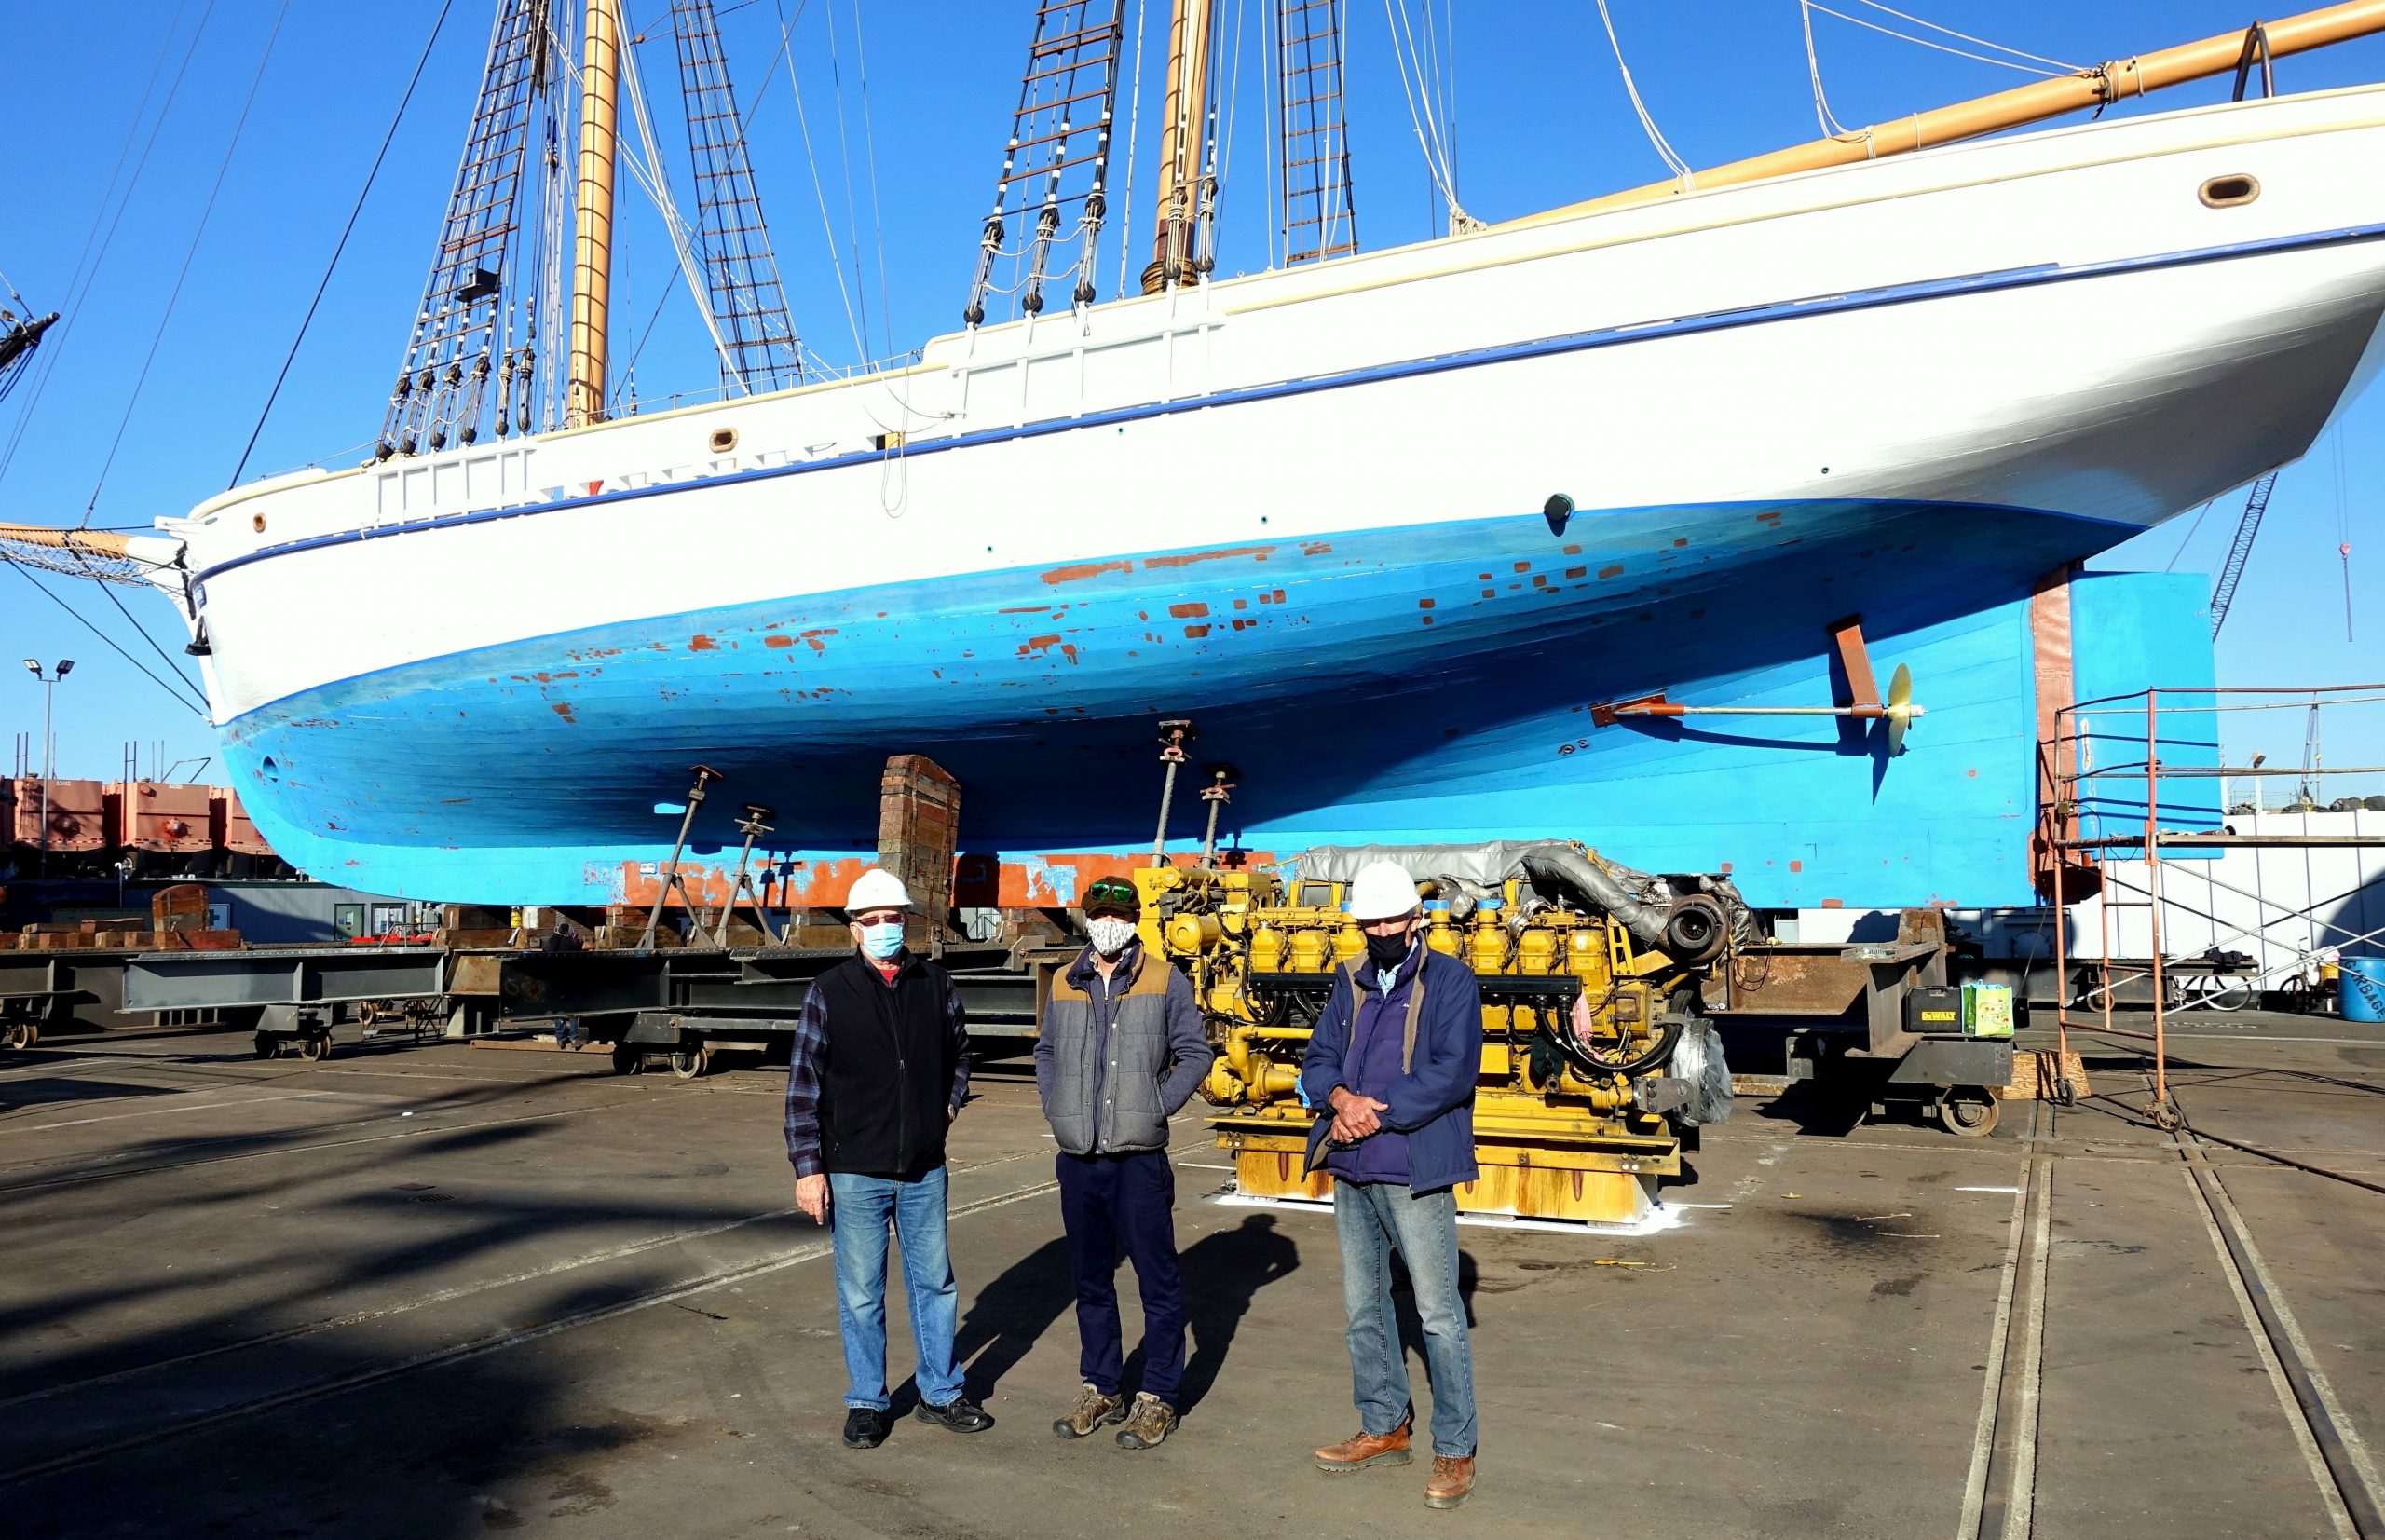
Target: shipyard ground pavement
point(438, 1291)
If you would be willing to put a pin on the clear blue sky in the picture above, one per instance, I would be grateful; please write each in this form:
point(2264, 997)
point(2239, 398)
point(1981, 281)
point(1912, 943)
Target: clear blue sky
point(1541, 118)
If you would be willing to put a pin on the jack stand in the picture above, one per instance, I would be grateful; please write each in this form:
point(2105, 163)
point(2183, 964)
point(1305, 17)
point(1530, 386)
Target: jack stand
point(1173, 735)
point(703, 773)
point(1215, 794)
point(755, 823)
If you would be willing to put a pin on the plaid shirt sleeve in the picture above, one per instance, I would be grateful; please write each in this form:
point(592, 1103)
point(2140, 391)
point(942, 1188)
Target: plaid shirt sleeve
point(804, 1068)
point(956, 1021)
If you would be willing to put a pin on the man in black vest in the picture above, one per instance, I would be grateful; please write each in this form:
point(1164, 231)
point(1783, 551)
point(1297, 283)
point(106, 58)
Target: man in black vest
point(880, 1070)
point(1120, 1048)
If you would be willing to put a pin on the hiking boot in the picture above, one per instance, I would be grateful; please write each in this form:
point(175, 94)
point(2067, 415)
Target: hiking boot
point(1452, 1482)
point(1367, 1448)
point(865, 1427)
point(959, 1415)
point(1152, 1421)
point(1092, 1411)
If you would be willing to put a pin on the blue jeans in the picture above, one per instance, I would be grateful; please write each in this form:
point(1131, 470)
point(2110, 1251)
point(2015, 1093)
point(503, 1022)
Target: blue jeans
point(860, 1210)
point(1375, 1219)
point(1114, 1204)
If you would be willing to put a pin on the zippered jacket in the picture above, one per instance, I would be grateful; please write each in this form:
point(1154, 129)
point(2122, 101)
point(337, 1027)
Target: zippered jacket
point(1115, 1059)
point(1431, 1101)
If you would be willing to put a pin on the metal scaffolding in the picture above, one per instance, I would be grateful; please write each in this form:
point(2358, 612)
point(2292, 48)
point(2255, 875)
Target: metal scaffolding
point(2101, 814)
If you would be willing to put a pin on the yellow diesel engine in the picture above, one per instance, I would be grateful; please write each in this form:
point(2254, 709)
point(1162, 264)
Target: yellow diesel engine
point(1575, 1117)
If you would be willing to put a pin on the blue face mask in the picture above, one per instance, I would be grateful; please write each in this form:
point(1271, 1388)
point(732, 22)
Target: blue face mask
point(882, 942)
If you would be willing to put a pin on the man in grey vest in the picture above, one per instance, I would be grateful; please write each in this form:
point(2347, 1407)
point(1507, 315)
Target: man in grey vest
point(1120, 1048)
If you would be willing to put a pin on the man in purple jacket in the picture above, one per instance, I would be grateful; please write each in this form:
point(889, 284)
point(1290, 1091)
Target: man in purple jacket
point(1391, 1070)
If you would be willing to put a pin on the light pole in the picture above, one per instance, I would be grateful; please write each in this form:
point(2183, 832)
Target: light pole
point(48, 756)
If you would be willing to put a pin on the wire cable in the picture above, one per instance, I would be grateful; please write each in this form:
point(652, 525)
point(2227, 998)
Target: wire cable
point(2017, 53)
point(198, 233)
point(1926, 43)
point(172, 665)
point(349, 228)
point(1679, 167)
point(75, 297)
point(179, 698)
point(819, 191)
point(1831, 127)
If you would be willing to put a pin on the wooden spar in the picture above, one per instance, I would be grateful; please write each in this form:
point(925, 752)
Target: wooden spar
point(90, 542)
point(592, 263)
point(1179, 150)
point(2033, 104)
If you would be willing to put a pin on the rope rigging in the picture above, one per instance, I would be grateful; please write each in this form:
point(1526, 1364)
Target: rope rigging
point(182, 274)
point(1664, 151)
point(80, 284)
point(110, 642)
point(437, 25)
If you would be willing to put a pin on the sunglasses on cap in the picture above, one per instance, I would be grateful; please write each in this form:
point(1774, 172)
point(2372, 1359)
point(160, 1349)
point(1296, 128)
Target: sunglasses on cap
point(1113, 893)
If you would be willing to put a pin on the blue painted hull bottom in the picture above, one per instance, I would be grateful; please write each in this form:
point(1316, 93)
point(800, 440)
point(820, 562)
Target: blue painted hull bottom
point(1422, 684)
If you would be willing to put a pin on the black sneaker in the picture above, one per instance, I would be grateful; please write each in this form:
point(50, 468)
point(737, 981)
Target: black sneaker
point(865, 1427)
point(962, 1415)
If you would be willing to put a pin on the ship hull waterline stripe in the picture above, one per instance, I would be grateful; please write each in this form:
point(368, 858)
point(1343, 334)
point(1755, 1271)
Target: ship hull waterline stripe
point(1927, 289)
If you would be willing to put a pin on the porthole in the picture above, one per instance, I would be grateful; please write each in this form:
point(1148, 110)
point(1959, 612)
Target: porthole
point(723, 440)
point(2231, 191)
point(257, 524)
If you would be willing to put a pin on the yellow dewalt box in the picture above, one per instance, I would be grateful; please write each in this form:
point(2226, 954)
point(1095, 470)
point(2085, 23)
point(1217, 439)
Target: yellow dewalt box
point(1933, 1010)
point(1987, 1010)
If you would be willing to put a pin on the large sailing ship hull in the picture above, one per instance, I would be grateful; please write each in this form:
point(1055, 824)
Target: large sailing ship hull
point(1305, 510)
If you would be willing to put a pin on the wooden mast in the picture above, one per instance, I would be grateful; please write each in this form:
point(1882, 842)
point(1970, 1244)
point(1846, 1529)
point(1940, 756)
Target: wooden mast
point(1179, 152)
point(2086, 90)
point(592, 265)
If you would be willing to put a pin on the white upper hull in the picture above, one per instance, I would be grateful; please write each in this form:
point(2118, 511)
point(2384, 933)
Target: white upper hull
point(2056, 322)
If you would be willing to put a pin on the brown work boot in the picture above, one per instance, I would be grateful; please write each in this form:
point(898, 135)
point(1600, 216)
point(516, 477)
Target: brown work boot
point(1093, 1410)
point(1149, 1424)
point(1452, 1482)
point(1367, 1448)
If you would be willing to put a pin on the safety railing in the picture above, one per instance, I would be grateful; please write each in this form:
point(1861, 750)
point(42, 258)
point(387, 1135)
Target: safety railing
point(2136, 785)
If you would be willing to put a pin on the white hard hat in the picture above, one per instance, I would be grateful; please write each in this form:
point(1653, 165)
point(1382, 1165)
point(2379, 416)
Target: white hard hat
point(878, 890)
point(1383, 891)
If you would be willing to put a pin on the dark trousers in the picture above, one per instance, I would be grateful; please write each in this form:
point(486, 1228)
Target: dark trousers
point(1124, 1206)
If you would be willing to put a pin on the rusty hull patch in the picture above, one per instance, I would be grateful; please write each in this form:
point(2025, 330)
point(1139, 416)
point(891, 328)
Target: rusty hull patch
point(1255, 552)
point(1083, 570)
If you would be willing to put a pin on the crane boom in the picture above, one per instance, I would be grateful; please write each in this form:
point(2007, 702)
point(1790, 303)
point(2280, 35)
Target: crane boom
point(2223, 592)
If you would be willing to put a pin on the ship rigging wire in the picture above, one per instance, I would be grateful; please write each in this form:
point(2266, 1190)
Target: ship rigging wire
point(1427, 127)
point(181, 275)
point(1671, 158)
point(173, 667)
point(1831, 128)
point(341, 246)
point(869, 161)
point(2036, 64)
point(819, 189)
point(1134, 136)
point(43, 589)
point(78, 284)
point(652, 177)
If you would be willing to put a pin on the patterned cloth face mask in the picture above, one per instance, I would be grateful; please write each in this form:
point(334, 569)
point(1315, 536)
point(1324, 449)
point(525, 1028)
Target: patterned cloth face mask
point(1110, 934)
